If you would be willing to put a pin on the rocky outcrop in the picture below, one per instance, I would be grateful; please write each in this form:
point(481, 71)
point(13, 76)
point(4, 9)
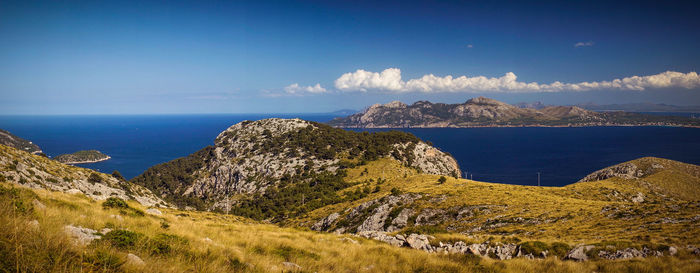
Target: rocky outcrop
point(38, 172)
point(372, 216)
point(579, 253)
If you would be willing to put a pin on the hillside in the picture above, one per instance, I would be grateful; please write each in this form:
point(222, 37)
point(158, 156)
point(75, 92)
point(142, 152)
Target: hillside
point(479, 112)
point(279, 168)
point(38, 172)
point(8, 139)
point(88, 156)
point(455, 226)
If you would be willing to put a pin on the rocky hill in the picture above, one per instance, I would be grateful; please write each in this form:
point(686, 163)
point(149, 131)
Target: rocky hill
point(88, 156)
point(482, 111)
point(278, 168)
point(8, 139)
point(38, 172)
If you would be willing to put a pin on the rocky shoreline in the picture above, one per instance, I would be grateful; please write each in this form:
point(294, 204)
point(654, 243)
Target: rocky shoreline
point(87, 161)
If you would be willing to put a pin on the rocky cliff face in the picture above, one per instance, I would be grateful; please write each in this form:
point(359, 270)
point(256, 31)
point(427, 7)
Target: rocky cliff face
point(10, 140)
point(488, 112)
point(252, 156)
point(34, 171)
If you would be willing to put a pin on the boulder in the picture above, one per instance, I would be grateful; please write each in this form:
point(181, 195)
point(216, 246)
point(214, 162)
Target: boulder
point(325, 223)
point(134, 260)
point(33, 225)
point(81, 235)
point(421, 242)
point(579, 253)
point(672, 251)
point(153, 211)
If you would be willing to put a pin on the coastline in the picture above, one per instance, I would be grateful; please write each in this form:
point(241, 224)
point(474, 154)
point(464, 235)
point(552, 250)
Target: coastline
point(520, 126)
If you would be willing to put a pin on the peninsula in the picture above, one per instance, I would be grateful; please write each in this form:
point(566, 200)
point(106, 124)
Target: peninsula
point(485, 112)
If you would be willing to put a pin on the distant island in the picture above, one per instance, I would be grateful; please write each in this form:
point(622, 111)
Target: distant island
point(8, 139)
point(79, 157)
point(485, 112)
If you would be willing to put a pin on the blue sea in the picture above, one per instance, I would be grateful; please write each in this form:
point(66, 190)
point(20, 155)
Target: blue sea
point(505, 155)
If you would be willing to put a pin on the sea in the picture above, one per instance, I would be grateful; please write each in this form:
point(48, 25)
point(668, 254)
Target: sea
point(560, 156)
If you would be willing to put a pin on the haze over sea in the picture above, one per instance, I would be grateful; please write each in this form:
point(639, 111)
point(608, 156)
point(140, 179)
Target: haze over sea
point(505, 155)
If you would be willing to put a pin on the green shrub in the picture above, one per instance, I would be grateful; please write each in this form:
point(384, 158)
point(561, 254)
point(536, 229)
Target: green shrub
point(105, 260)
point(114, 202)
point(122, 239)
point(118, 175)
point(533, 247)
point(559, 249)
point(163, 243)
point(442, 180)
point(95, 178)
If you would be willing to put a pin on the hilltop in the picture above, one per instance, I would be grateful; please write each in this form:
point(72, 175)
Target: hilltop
point(8, 139)
point(277, 168)
point(88, 156)
point(485, 112)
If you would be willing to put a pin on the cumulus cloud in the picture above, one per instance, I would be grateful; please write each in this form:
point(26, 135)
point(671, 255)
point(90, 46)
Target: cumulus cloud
point(581, 44)
point(390, 80)
point(296, 89)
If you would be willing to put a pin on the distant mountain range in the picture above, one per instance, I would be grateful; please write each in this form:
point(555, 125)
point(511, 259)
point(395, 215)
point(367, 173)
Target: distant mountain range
point(485, 112)
point(627, 107)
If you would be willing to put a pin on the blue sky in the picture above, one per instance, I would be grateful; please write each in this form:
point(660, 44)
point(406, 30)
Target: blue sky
point(244, 57)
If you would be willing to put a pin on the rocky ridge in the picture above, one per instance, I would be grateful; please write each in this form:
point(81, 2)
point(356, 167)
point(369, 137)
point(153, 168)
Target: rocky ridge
point(34, 171)
point(481, 111)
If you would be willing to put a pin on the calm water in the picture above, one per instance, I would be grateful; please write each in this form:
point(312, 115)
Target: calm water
point(506, 155)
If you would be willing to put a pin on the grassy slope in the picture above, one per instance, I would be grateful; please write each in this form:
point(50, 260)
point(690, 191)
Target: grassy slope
point(236, 245)
point(588, 212)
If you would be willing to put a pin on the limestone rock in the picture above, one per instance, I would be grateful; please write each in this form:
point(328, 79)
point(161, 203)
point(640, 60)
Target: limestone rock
point(81, 235)
point(421, 242)
point(153, 211)
point(292, 266)
point(325, 223)
point(134, 260)
point(579, 253)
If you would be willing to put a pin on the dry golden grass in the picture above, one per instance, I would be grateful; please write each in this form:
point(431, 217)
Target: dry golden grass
point(233, 245)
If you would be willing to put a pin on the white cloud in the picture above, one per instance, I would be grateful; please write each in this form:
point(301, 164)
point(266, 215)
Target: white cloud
point(390, 80)
point(470, 46)
point(295, 89)
point(581, 44)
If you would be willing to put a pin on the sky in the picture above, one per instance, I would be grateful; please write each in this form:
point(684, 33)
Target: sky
point(165, 57)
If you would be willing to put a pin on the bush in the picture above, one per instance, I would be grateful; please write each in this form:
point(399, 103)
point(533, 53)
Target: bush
point(122, 239)
point(442, 180)
point(163, 243)
point(118, 175)
point(95, 178)
point(534, 247)
point(114, 202)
